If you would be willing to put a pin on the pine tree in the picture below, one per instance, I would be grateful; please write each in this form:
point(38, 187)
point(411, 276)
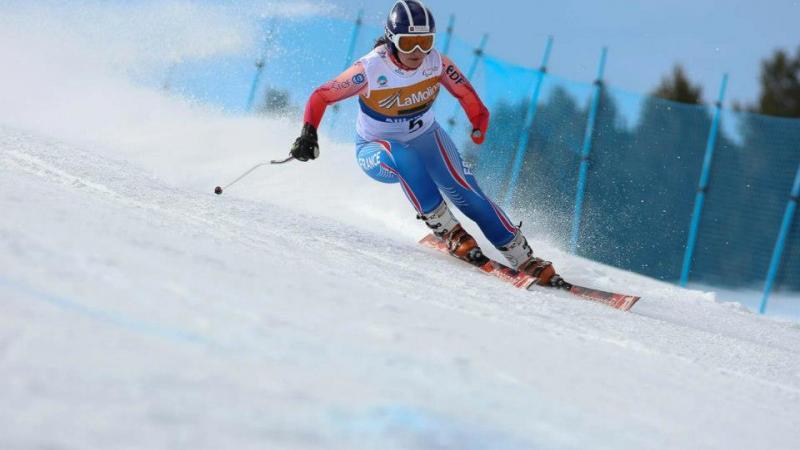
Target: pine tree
point(677, 87)
point(780, 85)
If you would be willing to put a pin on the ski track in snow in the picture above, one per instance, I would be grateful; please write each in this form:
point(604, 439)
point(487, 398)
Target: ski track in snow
point(142, 314)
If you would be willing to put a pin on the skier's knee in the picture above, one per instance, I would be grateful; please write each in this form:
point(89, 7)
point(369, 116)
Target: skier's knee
point(376, 162)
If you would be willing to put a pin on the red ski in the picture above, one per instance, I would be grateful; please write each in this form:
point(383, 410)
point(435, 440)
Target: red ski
point(525, 281)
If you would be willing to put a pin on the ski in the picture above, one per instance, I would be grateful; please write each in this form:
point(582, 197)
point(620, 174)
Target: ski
point(525, 281)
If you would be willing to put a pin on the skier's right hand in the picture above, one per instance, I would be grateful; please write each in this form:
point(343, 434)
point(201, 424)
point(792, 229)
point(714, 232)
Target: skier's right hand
point(306, 146)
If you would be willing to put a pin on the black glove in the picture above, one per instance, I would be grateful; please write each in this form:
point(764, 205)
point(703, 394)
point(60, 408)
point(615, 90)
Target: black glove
point(306, 146)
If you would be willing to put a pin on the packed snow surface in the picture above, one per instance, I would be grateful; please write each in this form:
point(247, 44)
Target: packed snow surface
point(297, 311)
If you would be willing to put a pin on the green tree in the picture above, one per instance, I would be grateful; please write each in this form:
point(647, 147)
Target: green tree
point(780, 85)
point(678, 88)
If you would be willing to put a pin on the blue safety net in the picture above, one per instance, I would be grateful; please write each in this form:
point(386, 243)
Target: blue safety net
point(644, 168)
point(751, 179)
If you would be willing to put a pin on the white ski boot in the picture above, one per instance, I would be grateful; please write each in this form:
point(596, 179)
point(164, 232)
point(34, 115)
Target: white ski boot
point(520, 255)
point(446, 227)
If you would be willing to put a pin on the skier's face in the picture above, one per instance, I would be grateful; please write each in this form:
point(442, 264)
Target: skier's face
point(412, 60)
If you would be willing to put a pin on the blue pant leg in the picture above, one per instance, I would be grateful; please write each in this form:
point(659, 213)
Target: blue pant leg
point(451, 176)
point(392, 162)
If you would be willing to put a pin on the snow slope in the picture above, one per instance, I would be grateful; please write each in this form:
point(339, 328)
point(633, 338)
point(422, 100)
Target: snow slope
point(296, 311)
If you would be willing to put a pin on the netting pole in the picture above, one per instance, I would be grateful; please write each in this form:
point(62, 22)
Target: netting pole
point(524, 134)
point(478, 55)
point(449, 35)
point(260, 66)
point(780, 244)
point(587, 148)
point(349, 59)
point(703, 185)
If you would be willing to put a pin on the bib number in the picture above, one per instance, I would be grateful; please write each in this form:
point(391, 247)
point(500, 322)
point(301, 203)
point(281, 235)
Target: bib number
point(415, 124)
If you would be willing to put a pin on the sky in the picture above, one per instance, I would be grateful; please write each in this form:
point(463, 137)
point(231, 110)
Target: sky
point(645, 38)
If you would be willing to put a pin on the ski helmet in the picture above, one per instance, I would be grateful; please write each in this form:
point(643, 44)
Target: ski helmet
point(410, 25)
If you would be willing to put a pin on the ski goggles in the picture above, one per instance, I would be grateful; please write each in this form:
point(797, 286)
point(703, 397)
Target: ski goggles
point(408, 43)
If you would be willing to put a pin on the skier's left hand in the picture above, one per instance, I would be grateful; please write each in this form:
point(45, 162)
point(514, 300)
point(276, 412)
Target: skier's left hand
point(477, 136)
point(479, 126)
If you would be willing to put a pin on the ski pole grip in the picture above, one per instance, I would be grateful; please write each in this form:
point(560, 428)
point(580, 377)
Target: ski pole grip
point(282, 161)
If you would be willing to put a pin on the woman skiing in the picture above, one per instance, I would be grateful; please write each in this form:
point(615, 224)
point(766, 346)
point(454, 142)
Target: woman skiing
point(399, 139)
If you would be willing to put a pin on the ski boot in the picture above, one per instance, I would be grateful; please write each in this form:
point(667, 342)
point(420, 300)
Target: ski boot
point(446, 227)
point(520, 255)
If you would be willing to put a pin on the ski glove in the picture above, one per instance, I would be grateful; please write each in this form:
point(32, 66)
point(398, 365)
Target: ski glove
point(306, 146)
point(480, 124)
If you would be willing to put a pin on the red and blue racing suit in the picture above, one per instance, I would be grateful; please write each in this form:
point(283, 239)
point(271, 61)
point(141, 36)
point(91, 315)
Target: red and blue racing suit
point(420, 156)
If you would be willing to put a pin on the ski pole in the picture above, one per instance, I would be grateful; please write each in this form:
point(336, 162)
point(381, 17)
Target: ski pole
point(219, 189)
